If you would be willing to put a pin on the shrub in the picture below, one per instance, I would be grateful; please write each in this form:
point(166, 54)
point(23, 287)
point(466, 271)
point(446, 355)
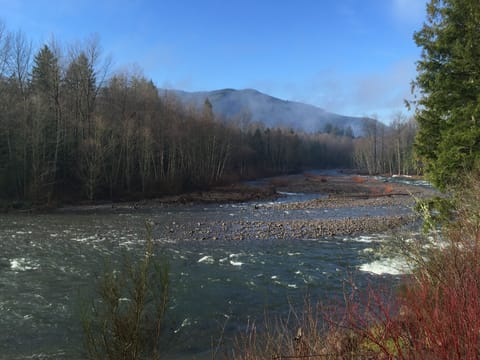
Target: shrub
point(434, 314)
point(442, 307)
point(126, 321)
point(296, 336)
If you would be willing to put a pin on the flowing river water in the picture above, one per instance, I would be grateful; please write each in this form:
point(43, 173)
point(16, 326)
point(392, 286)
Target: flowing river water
point(49, 263)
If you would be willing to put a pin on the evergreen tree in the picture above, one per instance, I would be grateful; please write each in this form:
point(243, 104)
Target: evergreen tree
point(448, 80)
point(45, 73)
point(80, 85)
point(46, 125)
point(81, 129)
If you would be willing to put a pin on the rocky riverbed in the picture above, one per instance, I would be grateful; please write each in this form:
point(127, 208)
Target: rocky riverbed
point(284, 229)
point(320, 206)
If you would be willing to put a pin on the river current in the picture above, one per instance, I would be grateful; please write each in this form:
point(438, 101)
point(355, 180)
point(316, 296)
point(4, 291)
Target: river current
point(49, 263)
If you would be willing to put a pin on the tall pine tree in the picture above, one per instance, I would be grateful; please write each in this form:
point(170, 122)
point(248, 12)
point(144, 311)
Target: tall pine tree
point(46, 125)
point(448, 80)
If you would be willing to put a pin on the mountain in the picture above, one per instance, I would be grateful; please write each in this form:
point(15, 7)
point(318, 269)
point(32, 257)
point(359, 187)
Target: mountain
point(271, 111)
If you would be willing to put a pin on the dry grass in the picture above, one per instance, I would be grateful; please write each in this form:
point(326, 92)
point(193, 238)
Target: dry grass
point(359, 179)
point(376, 190)
point(279, 182)
point(388, 189)
point(313, 177)
point(299, 335)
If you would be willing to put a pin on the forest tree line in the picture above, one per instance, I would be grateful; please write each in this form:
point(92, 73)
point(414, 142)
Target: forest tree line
point(388, 149)
point(71, 129)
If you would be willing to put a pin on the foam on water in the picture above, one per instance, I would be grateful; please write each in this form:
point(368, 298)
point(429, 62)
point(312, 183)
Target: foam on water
point(23, 264)
point(365, 239)
point(388, 266)
point(85, 239)
point(288, 193)
point(186, 322)
point(234, 259)
point(207, 259)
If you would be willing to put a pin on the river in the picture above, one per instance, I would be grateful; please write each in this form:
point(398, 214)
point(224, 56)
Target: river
point(49, 262)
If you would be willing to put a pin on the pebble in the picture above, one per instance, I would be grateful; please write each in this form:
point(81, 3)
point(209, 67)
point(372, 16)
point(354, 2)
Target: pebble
point(266, 225)
point(292, 229)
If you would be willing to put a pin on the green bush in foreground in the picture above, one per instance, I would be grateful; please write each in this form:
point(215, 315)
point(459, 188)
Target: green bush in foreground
point(125, 322)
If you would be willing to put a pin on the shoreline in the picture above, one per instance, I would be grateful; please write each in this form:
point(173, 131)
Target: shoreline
point(369, 206)
point(337, 189)
point(334, 205)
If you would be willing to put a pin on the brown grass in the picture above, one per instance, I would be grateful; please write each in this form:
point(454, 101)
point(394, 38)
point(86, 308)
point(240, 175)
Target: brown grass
point(299, 335)
point(310, 176)
point(279, 182)
point(359, 179)
point(313, 177)
point(375, 191)
point(388, 189)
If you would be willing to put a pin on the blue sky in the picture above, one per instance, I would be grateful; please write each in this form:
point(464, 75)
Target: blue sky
point(353, 57)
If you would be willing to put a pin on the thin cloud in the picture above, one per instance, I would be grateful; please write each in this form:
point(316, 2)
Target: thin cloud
point(381, 92)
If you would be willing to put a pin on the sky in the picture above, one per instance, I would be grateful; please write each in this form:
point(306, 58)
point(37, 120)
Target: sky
point(351, 57)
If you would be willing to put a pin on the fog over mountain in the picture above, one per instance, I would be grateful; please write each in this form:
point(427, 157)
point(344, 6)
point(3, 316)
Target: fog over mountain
point(259, 107)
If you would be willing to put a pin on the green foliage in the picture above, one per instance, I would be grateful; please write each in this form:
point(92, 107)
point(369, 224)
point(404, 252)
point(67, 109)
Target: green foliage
point(448, 81)
point(435, 212)
point(45, 125)
point(126, 321)
point(45, 73)
point(381, 343)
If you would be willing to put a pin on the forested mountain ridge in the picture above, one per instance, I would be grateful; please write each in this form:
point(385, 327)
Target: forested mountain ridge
point(255, 106)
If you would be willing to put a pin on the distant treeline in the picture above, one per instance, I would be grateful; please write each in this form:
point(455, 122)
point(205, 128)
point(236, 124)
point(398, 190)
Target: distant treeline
point(388, 149)
point(71, 131)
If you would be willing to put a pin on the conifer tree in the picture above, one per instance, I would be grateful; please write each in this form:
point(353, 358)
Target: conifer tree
point(448, 83)
point(46, 129)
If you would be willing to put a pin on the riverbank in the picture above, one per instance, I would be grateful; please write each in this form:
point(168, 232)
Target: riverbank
point(314, 206)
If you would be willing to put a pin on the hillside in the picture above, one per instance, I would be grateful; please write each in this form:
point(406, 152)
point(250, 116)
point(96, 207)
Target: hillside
point(259, 107)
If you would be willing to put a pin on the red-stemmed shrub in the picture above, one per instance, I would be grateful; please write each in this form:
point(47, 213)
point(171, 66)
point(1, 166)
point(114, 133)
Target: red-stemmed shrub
point(433, 314)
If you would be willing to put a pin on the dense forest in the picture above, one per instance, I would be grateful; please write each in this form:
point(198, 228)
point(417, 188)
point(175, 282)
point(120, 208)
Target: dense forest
point(72, 129)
